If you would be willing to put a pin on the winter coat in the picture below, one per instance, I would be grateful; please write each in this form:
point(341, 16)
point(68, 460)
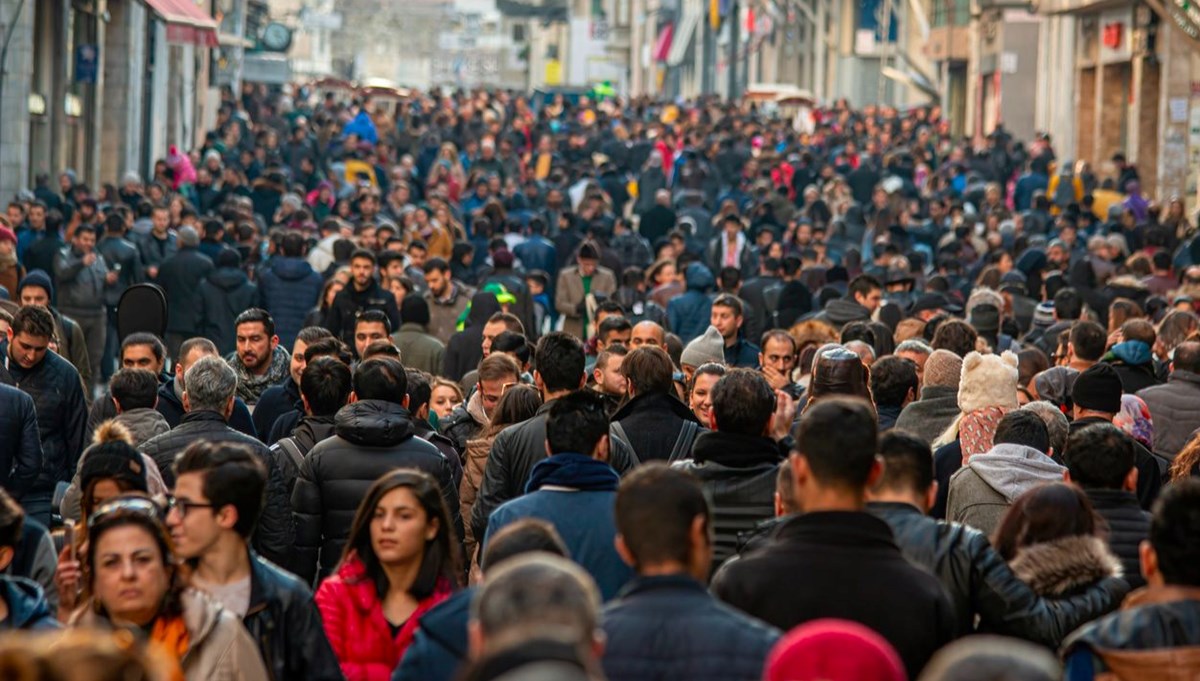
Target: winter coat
point(979, 582)
point(568, 294)
point(841, 311)
point(1127, 524)
point(27, 606)
point(930, 416)
point(1175, 410)
point(439, 646)
point(690, 313)
point(274, 402)
point(224, 294)
point(69, 507)
point(81, 288)
point(1152, 470)
point(515, 452)
point(1065, 566)
point(465, 422)
point(170, 405)
point(538, 253)
point(983, 489)
point(305, 436)
point(288, 288)
point(1155, 635)
point(475, 458)
point(1134, 363)
point(157, 251)
point(349, 302)
point(273, 536)
point(371, 437)
point(354, 623)
point(464, 349)
point(180, 277)
point(652, 423)
point(61, 410)
point(419, 349)
point(851, 569)
point(20, 442)
point(669, 627)
point(284, 621)
point(738, 474)
point(444, 312)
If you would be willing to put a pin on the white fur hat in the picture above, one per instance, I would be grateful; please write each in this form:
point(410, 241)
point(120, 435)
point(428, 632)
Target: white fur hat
point(988, 381)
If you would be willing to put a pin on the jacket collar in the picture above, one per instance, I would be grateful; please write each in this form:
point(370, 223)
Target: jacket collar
point(677, 582)
point(1112, 498)
point(655, 402)
point(838, 528)
point(1168, 593)
point(893, 508)
point(937, 392)
point(264, 586)
point(204, 415)
point(1182, 376)
point(738, 451)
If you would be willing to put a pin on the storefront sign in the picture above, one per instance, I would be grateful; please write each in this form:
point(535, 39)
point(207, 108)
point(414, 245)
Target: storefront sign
point(87, 63)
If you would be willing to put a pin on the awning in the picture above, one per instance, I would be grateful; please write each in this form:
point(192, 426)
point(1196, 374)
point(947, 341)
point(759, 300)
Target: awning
point(683, 36)
point(662, 44)
point(913, 79)
point(187, 24)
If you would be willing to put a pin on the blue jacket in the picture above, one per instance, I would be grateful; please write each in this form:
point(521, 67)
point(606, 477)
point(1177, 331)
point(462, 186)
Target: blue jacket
point(288, 288)
point(539, 253)
point(27, 606)
point(669, 627)
point(275, 401)
point(690, 313)
point(20, 441)
point(743, 354)
point(440, 645)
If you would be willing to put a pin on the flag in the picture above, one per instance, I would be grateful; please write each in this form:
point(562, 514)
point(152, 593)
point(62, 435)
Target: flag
point(714, 14)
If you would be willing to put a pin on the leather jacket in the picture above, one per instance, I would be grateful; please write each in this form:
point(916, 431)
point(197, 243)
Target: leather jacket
point(284, 622)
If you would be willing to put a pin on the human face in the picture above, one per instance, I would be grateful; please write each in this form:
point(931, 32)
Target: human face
point(491, 391)
point(395, 269)
point(104, 490)
point(35, 295)
point(140, 357)
point(130, 577)
point(701, 398)
point(28, 350)
point(15, 216)
point(397, 289)
point(160, 220)
point(443, 401)
point(621, 337)
point(778, 355)
point(437, 281)
point(646, 333)
point(84, 241)
point(666, 275)
point(872, 300)
point(490, 331)
point(417, 256)
point(400, 527)
point(367, 239)
point(255, 347)
point(334, 289)
point(361, 271)
point(917, 359)
point(197, 530)
point(37, 217)
point(296, 369)
point(727, 322)
point(366, 333)
point(610, 380)
point(587, 266)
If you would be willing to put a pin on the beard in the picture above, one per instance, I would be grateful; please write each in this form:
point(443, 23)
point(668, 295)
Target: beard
point(254, 363)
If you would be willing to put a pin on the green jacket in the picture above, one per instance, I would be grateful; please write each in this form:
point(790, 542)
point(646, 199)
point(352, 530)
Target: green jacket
point(418, 349)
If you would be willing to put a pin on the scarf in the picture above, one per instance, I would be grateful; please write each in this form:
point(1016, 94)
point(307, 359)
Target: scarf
point(171, 635)
point(251, 386)
point(732, 252)
point(977, 428)
point(1131, 352)
point(1134, 419)
point(576, 471)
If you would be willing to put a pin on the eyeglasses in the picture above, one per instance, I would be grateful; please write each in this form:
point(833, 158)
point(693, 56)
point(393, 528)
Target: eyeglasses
point(182, 506)
point(136, 505)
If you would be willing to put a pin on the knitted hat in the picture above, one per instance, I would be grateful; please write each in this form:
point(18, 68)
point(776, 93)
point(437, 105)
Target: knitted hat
point(987, 381)
point(943, 369)
point(986, 319)
point(704, 349)
point(833, 650)
point(414, 309)
point(113, 460)
point(1098, 389)
point(36, 278)
point(1043, 315)
point(7, 234)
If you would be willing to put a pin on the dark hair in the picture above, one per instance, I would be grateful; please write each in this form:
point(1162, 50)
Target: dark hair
point(576, 422)
point(743, 402)
point(518, 403)
point(325, 383)
point(414, 309)
point(907, 462)
point(381, 378)
point(311, 334)
point(1044, 514)
point(510, 321)
point(1187, 357)
point(1139, 330)
point(512, 343)
point(134, 389)
point(730, 301)
point(329, 347)
point(436, 265)
point(117, 513)
point(863, 284)
point(1089, 340)
point(34, 320)
point(892, 379)
point(12, 519)
point(837, 437)
point(1021, 427)
point(440, 561)
point(363, 254)
point(233, 476)
point(526, 535)
point(256, 315)
point(1068, 304)
point(1099, 456)
point(655, 508)
point(374, 317)
point(383, 347)
point(612, 325)
point(420, 389)
point(858, 331)
point(778, 334)
point(292, 245)
point(559, 361)
point(142, 338)
point(956, 336)
point(1175, 532)
point(649, 371)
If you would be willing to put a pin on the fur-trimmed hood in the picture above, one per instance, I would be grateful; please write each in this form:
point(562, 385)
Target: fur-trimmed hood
point(1063, 566)
point(988, 381)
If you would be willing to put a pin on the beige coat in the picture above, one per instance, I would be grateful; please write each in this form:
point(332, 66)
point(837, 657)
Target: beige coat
point(570, 293)
point(468, 490)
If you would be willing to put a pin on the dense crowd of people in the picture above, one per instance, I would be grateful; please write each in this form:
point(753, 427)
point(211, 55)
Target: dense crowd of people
point(483, 386)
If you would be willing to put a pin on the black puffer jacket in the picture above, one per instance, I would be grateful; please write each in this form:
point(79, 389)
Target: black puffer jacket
point(20, 442)
point(284, 622)
point(515, 451)
point(1128, 525)
point(738, 473)
point(273, 537)
point(371, 438)
point(57, 396)
point(180, 278)
point(979, 582)
point(225, 294)
point(652, 424)
point(310, 431)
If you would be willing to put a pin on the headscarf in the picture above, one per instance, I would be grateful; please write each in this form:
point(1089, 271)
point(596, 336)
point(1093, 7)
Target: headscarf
point(1134, 419)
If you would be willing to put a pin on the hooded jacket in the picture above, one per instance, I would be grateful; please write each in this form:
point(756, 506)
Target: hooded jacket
point(983, 489)
point(110, 431)
point(464, 350)
point(930, 416)
point(288, 288)
point(841, 311)
point(1153, 636)
point(690, 313)
point(1134, 363)
point(224, 294)
point(1065, 566)
point(371, 437)
point(1175, 409)
point(27, 606)
point(466, 422)
point(20, 442)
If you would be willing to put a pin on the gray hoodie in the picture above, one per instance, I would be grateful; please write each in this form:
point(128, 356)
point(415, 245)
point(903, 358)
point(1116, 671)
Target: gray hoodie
point(983, 489)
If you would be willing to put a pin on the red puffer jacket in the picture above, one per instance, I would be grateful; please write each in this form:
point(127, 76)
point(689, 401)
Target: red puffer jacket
point(355, 625)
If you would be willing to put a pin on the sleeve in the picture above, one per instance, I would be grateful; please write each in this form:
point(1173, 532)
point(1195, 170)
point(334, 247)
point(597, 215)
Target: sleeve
point(306, 504)
point(67, 266)
point(79, 359)
point(75, 425)
point(562, 300)
point(45, 564)
point(331, 602)
point(493, 491)
point(275, 535)
point(243, 660)
point(1080, 666)
point(29, 453)
point(314, 655)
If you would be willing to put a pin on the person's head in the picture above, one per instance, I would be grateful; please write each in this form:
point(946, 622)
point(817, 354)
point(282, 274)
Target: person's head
point(1044, 514)
point(607, 372)
point(325, 386)
point(894, 381)
point(1101, 456)
point(838, 371)
point(916, 351)
point(778, 352)
point(1087, 341)
point(956, 336)
point(30, 335)
point(143, 351)
point(588, 259)
point(578, 423)
point(362, 268)
point(700, 390)
point(210, 385)
point(727, 316)
point(84, 239)
point(497, 324)
point(1169, 556)
point(743, 403)
point(256, 340)
point(560, 363)
point(835, 451)
point(444, 397)
point(648, 371)
point(992, 657)
point(130, 571)
point(866, 291)
point(1020, 427)
point(664, 523)
point(12, 519)
point(217, 499)
point(907, 471)
point(497, 372)
point(403, 521)
point(613, 330)
point(370, 326)
point(519, 403)
point(307, 336)
point(646, 333)
point(1187, 357)
point(521, 537)
point(1058, 427)
point(380, 378)
point(133, 389)
point(1068, 305)
point(1097, 392)
point(437, 276)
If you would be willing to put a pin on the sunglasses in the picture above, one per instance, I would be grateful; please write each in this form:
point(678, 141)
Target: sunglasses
point(134, 505)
